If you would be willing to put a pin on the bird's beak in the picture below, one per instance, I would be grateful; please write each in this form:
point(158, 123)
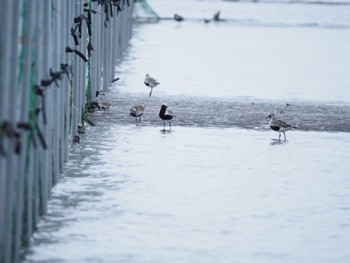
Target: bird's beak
point(268, 117)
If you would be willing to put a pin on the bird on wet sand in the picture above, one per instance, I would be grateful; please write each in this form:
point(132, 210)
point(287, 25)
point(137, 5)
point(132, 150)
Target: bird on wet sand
point(279, 126)
point(216, 16)
point(178, 18)
point(150, 82)
point(165, 116)
point(102, 102)
point(105, 105)
point(206, 20)
point(137, 111)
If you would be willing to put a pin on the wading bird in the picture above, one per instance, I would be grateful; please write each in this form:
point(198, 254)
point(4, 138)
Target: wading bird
point(216, 16)
point(165, 116)
point(105, 105)
point(102, 102)
point(137, 111)
point(150, 82)
point(279, 126)
point(206, 20)
point(178, 18)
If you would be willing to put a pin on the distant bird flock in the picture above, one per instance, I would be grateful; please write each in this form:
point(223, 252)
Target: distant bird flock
point(216, 18)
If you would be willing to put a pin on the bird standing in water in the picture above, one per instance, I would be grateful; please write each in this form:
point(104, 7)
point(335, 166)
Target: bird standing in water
point(178, 18)
point(279, 126)
point(165, 116)
point(216, 16)
point(150, 82)
point(105, 105)
point(102, 102)
point(137, 111)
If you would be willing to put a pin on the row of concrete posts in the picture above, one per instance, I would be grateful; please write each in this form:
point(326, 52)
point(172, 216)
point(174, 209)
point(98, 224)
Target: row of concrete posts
point(54, 56)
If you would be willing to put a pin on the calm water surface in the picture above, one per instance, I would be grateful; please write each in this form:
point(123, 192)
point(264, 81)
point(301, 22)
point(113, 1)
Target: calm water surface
point(199, 195)
point(218, 187)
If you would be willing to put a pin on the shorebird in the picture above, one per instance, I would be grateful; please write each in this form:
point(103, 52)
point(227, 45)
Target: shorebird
point(150, 82)
point(206, 20)
point(283, 111)
point(93, 106)
point(105, 106)
point(165, 116)
point(279, 126)
point(137, 111)
point(178, 18)
point(216, 16)
point(101, 102)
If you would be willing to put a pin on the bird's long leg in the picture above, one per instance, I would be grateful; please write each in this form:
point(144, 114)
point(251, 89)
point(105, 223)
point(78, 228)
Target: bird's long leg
point(279, 136)
point(136, 122)
point(284, 136)
point(164, 125)
point(169, 125)
point(150, 94)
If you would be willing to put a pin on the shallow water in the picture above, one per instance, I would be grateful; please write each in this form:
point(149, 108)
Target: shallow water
point(244, 62)
point(230, 60)
point(219, 187)
point(199, 195)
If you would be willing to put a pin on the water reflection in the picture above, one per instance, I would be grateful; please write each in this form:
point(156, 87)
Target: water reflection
point(277, 142)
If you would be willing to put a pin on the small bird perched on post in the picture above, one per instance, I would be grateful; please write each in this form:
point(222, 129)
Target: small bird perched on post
point(150, 82)
point(279, 126)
